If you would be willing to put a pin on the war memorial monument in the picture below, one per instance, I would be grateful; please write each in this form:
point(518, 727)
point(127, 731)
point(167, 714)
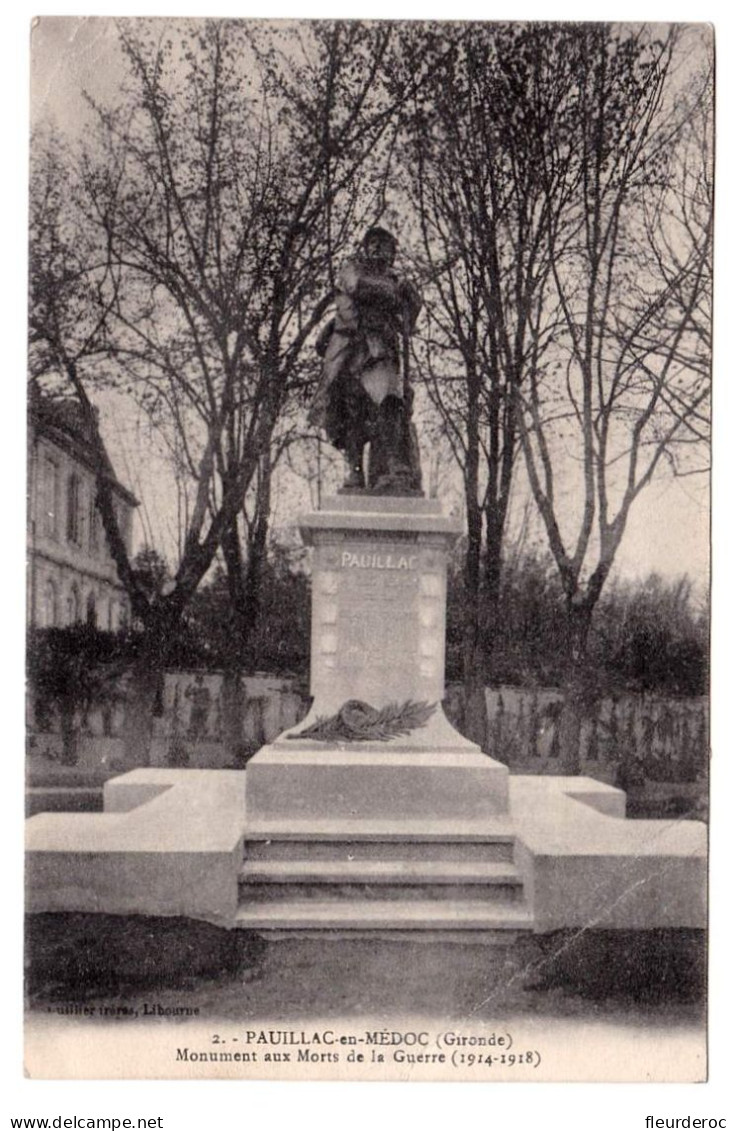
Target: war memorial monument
point(374, 815)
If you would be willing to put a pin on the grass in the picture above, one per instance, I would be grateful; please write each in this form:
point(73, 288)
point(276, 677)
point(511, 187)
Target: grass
point(80, 958)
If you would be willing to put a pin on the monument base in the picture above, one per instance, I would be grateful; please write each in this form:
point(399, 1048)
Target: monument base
point(293, 782)
point(174, 842)
point(374, 815)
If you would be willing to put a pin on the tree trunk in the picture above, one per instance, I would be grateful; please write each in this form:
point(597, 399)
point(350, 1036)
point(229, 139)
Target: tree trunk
point(236, 592)
point(69, 736)
point(576, 683)
point(252, 583)
point(233, 704)
point(244, 575)
point(492, 595)
point(142, 694)
point(244, 588)
point(475, 717)
point(476, 713)
point(232, 681)
point(145, 685)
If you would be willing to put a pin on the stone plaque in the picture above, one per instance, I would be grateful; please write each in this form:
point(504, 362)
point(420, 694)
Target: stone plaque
point(378, 618)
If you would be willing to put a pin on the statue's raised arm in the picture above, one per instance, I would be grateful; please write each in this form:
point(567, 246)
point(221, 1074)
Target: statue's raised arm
point(364, 394)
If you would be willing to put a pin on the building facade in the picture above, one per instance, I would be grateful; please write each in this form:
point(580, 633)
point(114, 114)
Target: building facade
point(72, 578)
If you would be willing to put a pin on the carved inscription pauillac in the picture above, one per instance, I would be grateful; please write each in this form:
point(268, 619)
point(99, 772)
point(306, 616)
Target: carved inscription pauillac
point(370, 560)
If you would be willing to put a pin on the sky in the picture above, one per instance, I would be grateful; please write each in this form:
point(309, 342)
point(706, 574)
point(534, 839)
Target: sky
point(310, 1106)
point(67, 57)
point(668, 531)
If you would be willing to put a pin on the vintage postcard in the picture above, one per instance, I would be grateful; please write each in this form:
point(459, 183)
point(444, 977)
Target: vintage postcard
point(368, 590)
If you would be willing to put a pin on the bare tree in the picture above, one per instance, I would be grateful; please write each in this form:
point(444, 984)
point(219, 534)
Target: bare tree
point(472, 170)
point(561, 178)
point(203, 219)
point(71, 295)
point(628, 388)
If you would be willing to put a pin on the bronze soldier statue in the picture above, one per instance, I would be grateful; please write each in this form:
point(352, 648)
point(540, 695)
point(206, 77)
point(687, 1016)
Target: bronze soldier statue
point(364, 395)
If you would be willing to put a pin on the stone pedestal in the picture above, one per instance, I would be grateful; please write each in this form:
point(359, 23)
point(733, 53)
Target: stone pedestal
point(379, 573)
point(379, 580)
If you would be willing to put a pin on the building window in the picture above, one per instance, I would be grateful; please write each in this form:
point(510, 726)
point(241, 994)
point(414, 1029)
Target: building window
point(94, 522)
point(49, 606)
point(73, 524)
point(73, 606)
point(122, 513)
point(50, 498)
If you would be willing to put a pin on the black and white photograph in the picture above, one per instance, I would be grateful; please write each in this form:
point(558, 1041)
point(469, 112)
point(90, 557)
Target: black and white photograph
point(368, 550)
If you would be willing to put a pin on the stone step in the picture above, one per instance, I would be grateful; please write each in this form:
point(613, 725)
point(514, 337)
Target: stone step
point(327, 880)
point(383, 915)
point(488, 893)
point(387, 872)
point(421, 840)
point(486, 830)
point(355, 851)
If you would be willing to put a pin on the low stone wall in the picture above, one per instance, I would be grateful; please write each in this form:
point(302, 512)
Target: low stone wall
point(200, 724)
point(628, 738)
point(169, 842)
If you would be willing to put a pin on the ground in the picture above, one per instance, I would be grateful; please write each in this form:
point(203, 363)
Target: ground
point(634, 995)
